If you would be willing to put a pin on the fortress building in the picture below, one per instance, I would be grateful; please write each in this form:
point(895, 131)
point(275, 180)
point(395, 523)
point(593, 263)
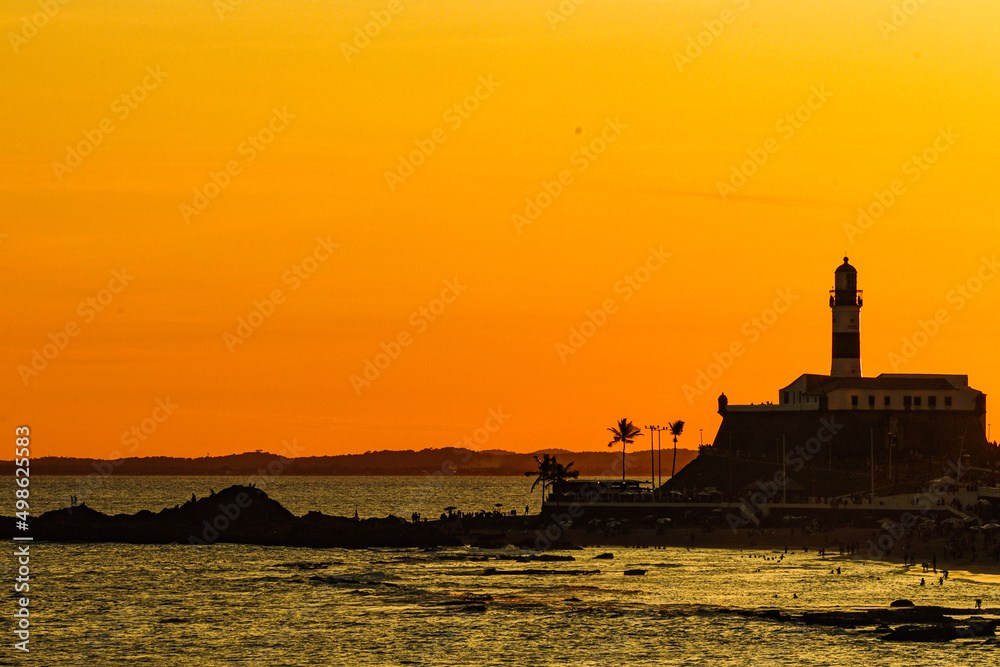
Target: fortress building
point(828, 433)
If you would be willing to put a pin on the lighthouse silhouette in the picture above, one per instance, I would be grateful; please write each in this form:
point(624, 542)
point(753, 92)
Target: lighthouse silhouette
point(845, 302)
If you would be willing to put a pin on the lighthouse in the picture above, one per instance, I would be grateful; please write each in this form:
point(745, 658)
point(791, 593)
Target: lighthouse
point(845, 302)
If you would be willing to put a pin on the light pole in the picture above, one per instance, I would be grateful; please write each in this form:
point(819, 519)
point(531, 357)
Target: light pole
point(652, 463)
point(730, 466)
point(871, 435)
point(961, 447)
point(659, 454)
point(784, 480)
point(892, 443)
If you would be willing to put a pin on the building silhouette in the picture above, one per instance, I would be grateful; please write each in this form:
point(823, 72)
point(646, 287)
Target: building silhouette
point(827, 434)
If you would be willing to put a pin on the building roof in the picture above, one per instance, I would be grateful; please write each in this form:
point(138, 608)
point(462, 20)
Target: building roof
point(824, 384)
point(885, 383)
point(813, 381)
point(845, 268)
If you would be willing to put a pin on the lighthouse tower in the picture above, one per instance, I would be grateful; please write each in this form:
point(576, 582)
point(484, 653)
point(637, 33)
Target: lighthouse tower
point(845, 301)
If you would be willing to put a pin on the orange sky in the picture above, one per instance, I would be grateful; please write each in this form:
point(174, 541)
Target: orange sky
point(300, 125)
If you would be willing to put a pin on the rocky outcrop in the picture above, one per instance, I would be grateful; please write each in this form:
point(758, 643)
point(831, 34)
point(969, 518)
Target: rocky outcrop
point(238, 514)
point(941, 632)
point(899, 623)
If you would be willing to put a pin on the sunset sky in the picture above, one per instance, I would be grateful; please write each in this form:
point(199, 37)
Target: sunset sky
point(166, 168)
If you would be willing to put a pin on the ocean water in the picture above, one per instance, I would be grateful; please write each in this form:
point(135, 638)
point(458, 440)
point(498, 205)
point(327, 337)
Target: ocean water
point(115, 604)
point(376, 496)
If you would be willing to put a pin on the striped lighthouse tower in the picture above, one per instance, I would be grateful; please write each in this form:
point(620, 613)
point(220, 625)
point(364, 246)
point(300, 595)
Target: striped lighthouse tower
point(845, 301)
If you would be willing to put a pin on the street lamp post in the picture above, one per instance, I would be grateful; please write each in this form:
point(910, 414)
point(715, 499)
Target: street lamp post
point(892, 443)
point(659, 453)
point(730, 465)
point(652, 462)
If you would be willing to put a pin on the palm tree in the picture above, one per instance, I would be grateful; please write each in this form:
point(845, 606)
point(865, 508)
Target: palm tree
point(543, 473)
point(549, 472)
point(561, 473)
point(675, 430)
point(624, 433)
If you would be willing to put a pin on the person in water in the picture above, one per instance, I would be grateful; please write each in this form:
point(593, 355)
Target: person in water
point(922, 582)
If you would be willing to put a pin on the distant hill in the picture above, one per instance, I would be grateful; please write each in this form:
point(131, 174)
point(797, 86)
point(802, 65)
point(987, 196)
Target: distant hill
point(447, 461)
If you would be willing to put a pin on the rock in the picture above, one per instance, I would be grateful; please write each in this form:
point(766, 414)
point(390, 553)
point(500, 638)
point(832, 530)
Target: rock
point(943, 632)
point(773, 614)
point(543, 557)
point(238, 514)
point(901, 603)
point(922, 633)
point(634, 573)
point(605, 556)
point(492, 571)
